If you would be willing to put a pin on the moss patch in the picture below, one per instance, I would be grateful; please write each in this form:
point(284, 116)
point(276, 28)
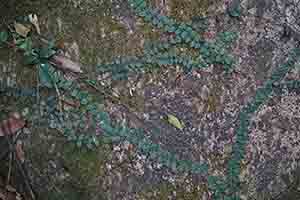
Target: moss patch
point(185, 10)
point(83, 164)
point(166, 190)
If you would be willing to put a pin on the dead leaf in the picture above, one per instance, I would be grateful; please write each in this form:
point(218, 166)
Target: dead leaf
point(10, 188)
point(34, 20)
point(19, 151)
point(21, 29)
point(7, 195)
point(11, 125)
point(2, 195)
point(18, 197)
point(130, 147)
point(74, 51)
point(65, 64)
point(175, 121)
point(70, 103)
point(2, 182)
point(60, 44)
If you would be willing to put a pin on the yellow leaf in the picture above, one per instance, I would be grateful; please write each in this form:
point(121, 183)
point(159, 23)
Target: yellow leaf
point(175, 122)
point(21, 29)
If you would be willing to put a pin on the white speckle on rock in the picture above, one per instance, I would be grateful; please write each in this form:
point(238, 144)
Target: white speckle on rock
point(116, 148)
point(289, 106)
point(126, 145)
point(108, 166)
point(204, 92)
point(25, 112)
point(140, 168)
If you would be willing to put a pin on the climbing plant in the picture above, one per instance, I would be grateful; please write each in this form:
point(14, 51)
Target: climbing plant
point(232, 184)
point(164, 52)
point(85, 122)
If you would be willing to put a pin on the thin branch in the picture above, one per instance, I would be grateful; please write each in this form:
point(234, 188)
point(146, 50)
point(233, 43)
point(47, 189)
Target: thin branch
point(9, 168)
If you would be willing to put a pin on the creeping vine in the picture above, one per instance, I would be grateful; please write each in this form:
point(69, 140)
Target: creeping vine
point(87, 114)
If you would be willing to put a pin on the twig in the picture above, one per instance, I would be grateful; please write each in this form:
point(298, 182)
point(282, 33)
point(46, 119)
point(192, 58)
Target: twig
point(38, 96)
point(51, 184)
point(19, 165)
point(59, 98)
point(9, 168)
point(25, 179)
point(147, 127)
point(3, 154)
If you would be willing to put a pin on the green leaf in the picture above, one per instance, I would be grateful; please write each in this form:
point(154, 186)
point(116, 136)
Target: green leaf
point(228, 60)
point(3, 36)
point(96, 141)
point(175, 122)
point(67, 131)
point(92, 82)
point(51, 44)
point(89, 145)
point(31, 59)
point(235, 11)
point(205, 52)
point(26, 45)
point(69, 138)
point(83, 95)
point(65, 84)
point(84, 101)
point(46, 52)
point(79, 143)
point(219, 59)
point(184, 34)
point(75, 92)
point(45, 76)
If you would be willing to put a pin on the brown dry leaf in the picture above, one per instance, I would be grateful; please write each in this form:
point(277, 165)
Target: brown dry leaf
point(11, 125)
point(60, 44)
point(70, 103)
point(19, 151)
point(74, 51)
point(9, 196)
point(65, 64)
point(130, 148)
point(18, 197)
point(8, 193)
point(21, 29)
point(10, 188)
point(2, 182)
point(34, 20)
point(2, 195)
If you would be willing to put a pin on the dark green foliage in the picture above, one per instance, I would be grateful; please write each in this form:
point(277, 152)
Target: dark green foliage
point(162, 53)
point(234, 10)
point(3, 37)
point(121, 67)
point(226, 38)
point(290, 85)
point(44, 75)
point(79, 124)
point(199, 23)
point(75, 119)
point(17, 92)
point(33, 55)
point(261, 96)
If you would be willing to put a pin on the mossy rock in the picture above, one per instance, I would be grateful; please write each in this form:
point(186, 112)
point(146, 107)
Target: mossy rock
point(84, 164)
point(164, 191)
point(185, 10)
